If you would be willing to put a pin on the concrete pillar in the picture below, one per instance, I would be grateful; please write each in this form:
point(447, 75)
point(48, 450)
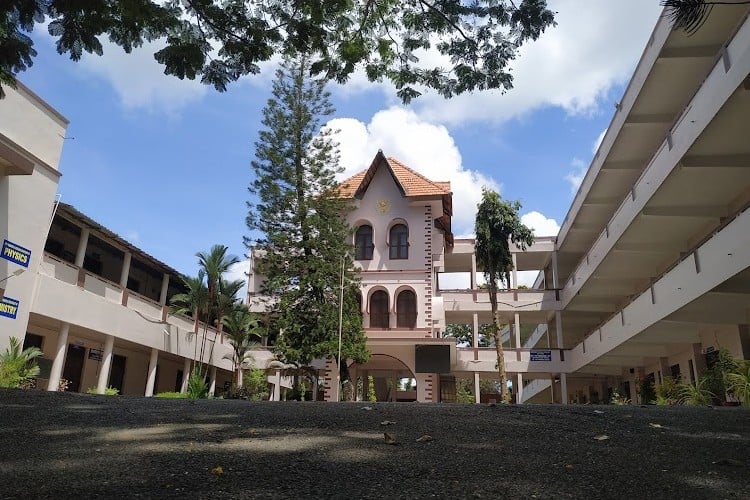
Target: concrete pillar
point(603, 392)
point(125, 272)
point(164, 288)
point(475, 330)
point(519, 391)
point(277, 387)
point(425, 388)
point(666, 371)
point(554, 270)
point(315, 387)
point(101, 384)
point(552, 388)
point(514, 273)
point(185, 375)
point(58, 363)
point(477, 389)
point(517, 330)
point(212, 382)
point(82, 244)
point(564, 388)
point(558, 330)
point(699, 361)
point(151, 380)
point(473, 275)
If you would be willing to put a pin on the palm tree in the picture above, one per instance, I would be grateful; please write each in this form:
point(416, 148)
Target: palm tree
point(16, 366)
point(690, 15)
point(240, 326)
point(193, 302)
point(214, 264)
point(226, 299)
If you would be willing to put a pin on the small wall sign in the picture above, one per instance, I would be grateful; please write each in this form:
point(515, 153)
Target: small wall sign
point(9, 307)
point(95, 354)
point(540, 355)
point(15, 253)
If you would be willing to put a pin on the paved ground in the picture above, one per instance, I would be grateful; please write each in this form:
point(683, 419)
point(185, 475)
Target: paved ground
point(71, 445)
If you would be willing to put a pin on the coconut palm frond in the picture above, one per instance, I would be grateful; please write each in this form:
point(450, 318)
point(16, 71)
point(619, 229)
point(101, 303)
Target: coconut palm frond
point(688, 15)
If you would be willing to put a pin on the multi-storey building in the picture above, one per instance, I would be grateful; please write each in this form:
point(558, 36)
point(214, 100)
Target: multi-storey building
point(647, 278)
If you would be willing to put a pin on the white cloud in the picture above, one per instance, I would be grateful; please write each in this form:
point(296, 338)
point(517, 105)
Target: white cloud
point(425, 147)
point(540, 224)
point(575, 176)
point(573, 65)
point(239, 271)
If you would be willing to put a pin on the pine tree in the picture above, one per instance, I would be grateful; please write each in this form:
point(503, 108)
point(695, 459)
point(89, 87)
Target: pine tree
point(303, 220)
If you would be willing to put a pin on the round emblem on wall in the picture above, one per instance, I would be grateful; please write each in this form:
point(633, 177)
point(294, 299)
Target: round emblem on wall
point(383, 206)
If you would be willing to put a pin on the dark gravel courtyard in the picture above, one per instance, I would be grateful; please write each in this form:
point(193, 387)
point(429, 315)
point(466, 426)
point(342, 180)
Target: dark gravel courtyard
point(61, 445)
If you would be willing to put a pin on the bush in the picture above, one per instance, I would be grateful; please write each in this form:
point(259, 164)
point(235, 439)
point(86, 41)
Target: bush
point(197, 387)
point(255, 385)
point(716, 377)
point(738, 382)
point(464, 391)
point(109, 391)
point(698, 394)
point(618, 400)
point(18, 367)
point(668, 392)
point(171, 395)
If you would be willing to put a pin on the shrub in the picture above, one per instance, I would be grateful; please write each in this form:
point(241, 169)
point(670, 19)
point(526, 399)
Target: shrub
point(698, 394)
point(255, 385)
point(109, 391)
point(618, 399)
point(171, 395)
point(738, 382)
point(197, 387)
point(18, 367)
point(716, 377)
point(668, 392)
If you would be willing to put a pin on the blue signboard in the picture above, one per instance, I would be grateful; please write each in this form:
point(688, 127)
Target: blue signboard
point(9, 307)
point(15, 253)
point(541, 355)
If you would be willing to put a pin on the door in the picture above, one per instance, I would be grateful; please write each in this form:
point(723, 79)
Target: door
point(74, 366)
point(117, 373)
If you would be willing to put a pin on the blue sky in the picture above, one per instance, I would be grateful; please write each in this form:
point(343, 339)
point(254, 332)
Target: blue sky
point(166, 163)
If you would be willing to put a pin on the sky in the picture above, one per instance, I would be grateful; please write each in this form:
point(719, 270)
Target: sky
point(165, 163)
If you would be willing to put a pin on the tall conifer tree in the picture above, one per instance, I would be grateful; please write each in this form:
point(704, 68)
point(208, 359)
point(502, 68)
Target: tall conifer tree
point(303, 220)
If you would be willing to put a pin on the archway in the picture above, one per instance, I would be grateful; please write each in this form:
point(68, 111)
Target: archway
point(383, 378)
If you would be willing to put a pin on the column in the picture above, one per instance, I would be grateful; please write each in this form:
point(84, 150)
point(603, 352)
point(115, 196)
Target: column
point(212, 383)
point(558, 329)
point(517, 330)
point(554, 270)
point(277, 387)
point(603, 392)
point(564, 388)
point(699, 361)
point(514, 274)
point(475, 331)
point(552, 387)
point(151, 380)
point(473, 275)
point(82, 244)
point(315, 387)
point(59, 362)
point(666, 371)
point(519, 391)
point(125, 270)
point(477, 389)
point(185, 375)
point(101, 384)
point(164, 288)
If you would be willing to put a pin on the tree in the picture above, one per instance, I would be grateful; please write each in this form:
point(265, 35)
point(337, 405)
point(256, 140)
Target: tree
point(194, 302)
point(220, 41)
point(690, 15)
point(463, 334)
point(497, 223)
point(305, 233)
point(240, 326)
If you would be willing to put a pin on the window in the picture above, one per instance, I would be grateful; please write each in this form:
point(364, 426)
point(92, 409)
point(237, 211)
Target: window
point(406, 306)
point(399, 242)
point(379, 310)
point(363, 243)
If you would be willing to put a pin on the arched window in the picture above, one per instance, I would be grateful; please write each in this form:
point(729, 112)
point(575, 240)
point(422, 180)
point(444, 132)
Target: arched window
point(379, 310)
point(406, 307)
point(363, 243)
point(399, 242)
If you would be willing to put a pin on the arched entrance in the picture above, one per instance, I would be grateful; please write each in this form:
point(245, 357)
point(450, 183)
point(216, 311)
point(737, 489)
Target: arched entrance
point(383, 378)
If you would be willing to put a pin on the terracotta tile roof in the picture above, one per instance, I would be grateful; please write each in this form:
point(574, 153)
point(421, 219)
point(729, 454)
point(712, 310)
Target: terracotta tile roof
point(410, 182)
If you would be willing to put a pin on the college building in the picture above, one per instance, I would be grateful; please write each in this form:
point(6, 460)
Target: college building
point(648, 277)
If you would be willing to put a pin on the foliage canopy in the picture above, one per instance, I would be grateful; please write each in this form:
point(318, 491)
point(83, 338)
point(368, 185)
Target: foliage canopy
point(220, 41)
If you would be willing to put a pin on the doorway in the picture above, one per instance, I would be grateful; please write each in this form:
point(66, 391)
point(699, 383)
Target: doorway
point(117, 373)
point(74, 360)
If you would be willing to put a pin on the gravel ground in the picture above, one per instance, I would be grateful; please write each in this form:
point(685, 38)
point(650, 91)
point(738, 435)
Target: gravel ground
point(64, 445)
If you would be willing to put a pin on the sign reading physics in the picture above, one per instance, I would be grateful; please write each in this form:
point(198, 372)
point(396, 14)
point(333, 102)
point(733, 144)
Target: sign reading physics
point(9, 307)
point(15, 253)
